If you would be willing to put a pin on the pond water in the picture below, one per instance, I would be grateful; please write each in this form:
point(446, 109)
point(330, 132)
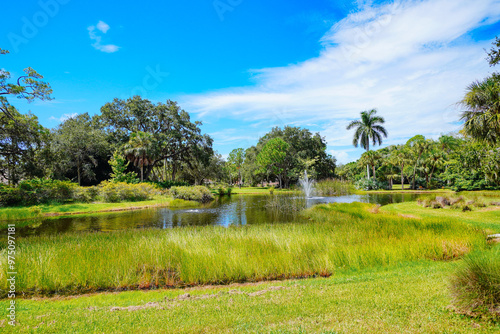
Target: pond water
point(225, 211)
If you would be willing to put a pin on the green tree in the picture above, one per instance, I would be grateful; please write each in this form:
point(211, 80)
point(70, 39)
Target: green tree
point(175, 139)
point(482, 110)
point(368, 129)
point(273, 156)
point(28, 87)
point(139, 150)
point(417, 146)
point(400, 157)
point(78, 143)
point(372, 159)
point(235, 160)
point(119, 166)
point(24, 147)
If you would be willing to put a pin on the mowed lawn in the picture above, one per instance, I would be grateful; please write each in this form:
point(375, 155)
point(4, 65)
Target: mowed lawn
point(411, 298)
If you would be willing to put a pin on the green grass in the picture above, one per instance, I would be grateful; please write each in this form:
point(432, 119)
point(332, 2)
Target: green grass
point(486, 218)
point(18, 213)
point(411, 298)
point(476, 284)
point(336, 237)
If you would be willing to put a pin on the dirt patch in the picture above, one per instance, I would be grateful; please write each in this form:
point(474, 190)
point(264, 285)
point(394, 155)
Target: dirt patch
point(187, 296)
point(409, 216)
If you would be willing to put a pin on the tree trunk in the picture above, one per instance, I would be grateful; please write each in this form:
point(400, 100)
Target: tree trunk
point(78, 171)
point(368, 171)
point(239, 174)
point(373, 168)
point(402, 178)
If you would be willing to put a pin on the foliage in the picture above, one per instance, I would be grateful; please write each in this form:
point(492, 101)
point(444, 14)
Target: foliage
point(272, 158)
point(476, 284)
point(37, 191)
point(370, 184)
point(175, 138)
point(139, 150)
point(368, 129)
point(24, 147)
point(482, 110)
point(169, 184)
point(197, 193)
point(113, 192)
point(78, 143)
point(28, 87)
point(119, 167)
point(86, 194)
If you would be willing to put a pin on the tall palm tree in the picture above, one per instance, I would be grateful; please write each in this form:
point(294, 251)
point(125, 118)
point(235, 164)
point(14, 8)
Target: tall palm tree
point(368, 129)
point(482, 114)
point(138, 150)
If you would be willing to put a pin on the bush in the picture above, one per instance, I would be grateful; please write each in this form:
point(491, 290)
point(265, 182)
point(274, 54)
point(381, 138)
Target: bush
point(271, 190)
point(370, 184)
point(85, 194)
point(476, 284)
point(195, 193)
point(37, 191)
point(119, 191)
point(169, 184)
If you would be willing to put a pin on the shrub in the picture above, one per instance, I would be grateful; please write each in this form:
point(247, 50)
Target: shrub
point(271, 190)
point(476, 284)
point(85, 194)
point(195, 193)
point(169, 184)
point(37, 191)
point(119, 191)
point(370, 184)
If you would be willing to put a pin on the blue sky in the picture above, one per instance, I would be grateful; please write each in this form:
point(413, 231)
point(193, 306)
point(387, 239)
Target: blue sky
point(244, 66)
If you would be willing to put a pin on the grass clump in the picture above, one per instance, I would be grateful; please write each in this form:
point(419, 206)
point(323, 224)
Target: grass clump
point(476, 284)
point(197, 193)
point(331, 238)
point(332, 187)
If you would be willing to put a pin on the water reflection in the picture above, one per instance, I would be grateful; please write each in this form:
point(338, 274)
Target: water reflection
point(225, 211)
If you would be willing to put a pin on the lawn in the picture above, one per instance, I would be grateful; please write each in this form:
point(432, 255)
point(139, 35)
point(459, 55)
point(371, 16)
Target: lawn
point(409, 298)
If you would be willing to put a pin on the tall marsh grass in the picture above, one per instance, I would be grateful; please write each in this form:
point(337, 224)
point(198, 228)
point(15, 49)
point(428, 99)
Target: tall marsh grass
point(332, 187)
point(336, 237)
point(476, 284)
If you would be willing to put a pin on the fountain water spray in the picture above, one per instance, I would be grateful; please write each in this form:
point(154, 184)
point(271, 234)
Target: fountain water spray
point(307, 185)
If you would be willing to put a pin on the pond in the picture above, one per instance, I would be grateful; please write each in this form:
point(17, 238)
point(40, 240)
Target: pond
point(225, 211)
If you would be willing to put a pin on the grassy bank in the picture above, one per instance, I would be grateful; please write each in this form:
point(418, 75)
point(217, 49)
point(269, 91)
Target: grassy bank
point(337, 237)
point(30, 212)
point(486, 218)
point(412, 298)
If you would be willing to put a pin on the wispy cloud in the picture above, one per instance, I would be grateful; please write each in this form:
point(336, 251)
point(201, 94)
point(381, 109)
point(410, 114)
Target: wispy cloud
point(63, 117)
point(411, 60)
point(95, 34)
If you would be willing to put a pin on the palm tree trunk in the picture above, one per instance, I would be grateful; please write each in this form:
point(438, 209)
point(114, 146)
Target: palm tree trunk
point(402, 178)
point(368, 171)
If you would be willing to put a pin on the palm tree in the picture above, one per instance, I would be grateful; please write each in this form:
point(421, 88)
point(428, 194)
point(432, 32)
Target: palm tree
point(368, 129)
point(138, 150)
point(400, 157)
point(371, 158)
point(482, 114)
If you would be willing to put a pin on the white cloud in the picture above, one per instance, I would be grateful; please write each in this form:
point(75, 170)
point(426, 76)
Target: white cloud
point(410, 60)
point(63, 117)
point(102, 26)
point(95, 35)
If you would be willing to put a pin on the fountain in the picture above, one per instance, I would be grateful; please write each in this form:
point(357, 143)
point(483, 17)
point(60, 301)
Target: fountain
point(307, 185)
